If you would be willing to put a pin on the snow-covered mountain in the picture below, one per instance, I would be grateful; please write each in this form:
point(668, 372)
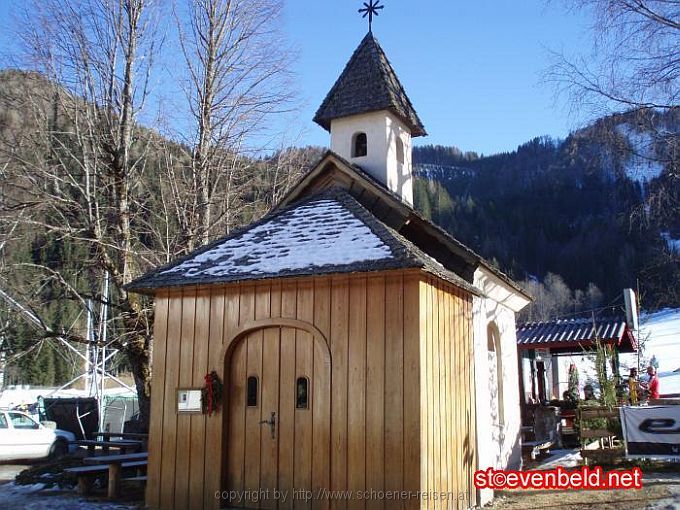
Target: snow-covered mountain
point(641, 163)
point(439, 172)
point(601, 206)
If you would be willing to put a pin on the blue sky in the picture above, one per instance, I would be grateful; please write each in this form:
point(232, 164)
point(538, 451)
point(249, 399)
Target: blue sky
point(472, 69)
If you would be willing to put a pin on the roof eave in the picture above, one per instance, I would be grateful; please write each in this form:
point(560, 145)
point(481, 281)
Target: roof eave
point(417, 130)
point(407, 211)
point(585, 344)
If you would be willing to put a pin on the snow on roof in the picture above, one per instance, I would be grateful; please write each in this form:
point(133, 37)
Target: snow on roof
point(317, 234)
point(328, 233)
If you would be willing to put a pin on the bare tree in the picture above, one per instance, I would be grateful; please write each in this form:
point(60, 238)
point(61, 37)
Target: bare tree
point(287, 166)
point(83, 174)
point(635, 59)
point(238, 70)
point(634, 67)
point(554, 299)
point(75, 180)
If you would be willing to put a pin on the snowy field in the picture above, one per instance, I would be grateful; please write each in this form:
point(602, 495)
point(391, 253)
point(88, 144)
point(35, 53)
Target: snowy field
point(669, 383)
point(660, 336)
point(37, 497)
point(643, 164)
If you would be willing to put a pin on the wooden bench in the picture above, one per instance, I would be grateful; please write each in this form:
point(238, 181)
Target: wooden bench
point(134, 479)
point(115, 464)
point(125, 446)
point(84, 476)
point(125, 436)
point(86, 473)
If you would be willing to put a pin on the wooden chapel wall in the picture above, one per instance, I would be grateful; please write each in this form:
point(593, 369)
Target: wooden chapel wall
point(448, 420)
point(372, 325)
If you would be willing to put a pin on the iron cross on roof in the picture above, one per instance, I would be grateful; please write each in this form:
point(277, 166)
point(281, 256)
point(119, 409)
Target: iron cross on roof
point(370, 9)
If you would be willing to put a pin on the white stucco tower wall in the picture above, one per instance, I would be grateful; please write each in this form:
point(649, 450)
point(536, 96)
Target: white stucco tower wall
point(385, 160)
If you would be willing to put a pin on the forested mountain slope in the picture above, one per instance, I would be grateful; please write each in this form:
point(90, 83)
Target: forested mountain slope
point(60, 202)
point(602, 206)
point(600, 209)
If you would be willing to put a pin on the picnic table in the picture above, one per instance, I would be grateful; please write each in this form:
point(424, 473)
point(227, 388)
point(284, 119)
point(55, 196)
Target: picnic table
point(125, 445)
point(116, 464)
point(123, 435)
point(126, 436)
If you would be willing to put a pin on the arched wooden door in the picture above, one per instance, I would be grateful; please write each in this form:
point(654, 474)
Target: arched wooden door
point(279, 419)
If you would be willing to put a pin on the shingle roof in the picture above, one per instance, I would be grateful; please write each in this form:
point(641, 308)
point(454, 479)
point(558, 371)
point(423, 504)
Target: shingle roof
point(392, 202)
point(576, 333)
point(368, 84)
point(327, 233)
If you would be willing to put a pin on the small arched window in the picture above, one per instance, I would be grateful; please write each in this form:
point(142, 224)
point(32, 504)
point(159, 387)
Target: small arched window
point(400, 151)
point(359, 145)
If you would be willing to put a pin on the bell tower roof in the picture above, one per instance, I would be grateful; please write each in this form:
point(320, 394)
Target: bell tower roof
point(367, 84)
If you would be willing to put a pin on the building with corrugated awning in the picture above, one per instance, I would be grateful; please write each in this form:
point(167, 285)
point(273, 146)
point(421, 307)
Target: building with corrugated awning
point(541, 345)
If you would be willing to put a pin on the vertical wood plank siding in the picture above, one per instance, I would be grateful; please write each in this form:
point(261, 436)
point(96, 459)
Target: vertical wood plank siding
point(447, 415)
point(160, 334)
point(401, 407)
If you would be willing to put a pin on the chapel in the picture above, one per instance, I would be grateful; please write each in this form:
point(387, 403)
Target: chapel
point(360, 347)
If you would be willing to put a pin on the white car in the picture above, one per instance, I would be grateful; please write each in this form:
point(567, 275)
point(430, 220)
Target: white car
point(21, 437)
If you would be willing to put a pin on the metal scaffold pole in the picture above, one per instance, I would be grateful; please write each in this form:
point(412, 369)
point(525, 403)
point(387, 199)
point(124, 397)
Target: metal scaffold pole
point(103, 339)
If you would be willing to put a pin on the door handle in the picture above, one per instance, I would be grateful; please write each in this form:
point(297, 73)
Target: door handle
point(272, 424)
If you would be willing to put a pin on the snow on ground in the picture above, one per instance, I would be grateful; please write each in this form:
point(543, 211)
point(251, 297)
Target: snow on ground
point(36, 497)
point(670, 503)
point(659, 335)
point(567, 458)
point(435, 172)
point(18, 395)
point(642, 165)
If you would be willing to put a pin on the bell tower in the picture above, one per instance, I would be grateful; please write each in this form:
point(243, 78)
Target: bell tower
point(371, 119)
